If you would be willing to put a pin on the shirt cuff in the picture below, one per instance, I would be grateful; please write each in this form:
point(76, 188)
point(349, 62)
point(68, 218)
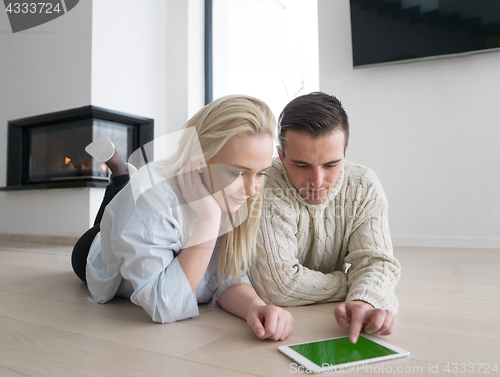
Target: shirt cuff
point(169, 297)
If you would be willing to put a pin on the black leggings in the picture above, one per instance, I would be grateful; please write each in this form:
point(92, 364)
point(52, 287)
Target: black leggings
point(82, 247)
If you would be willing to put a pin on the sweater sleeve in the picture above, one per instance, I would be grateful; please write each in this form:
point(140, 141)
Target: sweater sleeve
point(277, 275)
point(374, 271)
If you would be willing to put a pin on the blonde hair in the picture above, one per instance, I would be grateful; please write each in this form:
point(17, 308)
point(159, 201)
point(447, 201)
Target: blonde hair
point(215, 125)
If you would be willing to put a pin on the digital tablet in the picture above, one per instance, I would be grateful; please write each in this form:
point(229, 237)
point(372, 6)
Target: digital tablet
point(339, 353)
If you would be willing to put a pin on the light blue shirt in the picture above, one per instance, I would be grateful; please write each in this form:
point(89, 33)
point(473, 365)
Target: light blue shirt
point(135, 254)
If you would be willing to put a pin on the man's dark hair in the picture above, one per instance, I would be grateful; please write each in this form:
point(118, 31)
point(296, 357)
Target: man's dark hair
point(316, 114)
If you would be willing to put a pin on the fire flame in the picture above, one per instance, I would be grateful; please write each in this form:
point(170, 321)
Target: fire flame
point(67, 160)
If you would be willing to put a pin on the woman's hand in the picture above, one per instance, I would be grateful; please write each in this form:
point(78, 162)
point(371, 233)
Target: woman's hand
point(266, 321)
point(197, 251)
point(199, 199)
point(270, 322)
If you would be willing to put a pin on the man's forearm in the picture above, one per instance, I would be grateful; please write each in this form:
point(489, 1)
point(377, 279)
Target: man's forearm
point(297, 285)
point(374, 283)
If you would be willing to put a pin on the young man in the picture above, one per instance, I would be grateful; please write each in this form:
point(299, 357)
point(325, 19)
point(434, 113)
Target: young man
point(323, 216)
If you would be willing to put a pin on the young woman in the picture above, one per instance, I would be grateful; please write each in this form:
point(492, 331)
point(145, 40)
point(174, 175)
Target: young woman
point(183, 232)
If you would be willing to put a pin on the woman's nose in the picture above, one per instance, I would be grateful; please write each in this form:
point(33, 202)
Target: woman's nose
point(251, 187)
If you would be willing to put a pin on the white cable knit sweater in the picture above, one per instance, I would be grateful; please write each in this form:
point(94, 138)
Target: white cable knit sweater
point(302, 248)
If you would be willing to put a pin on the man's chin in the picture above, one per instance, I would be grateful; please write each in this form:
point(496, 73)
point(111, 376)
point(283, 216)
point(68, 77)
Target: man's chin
point(316, 199)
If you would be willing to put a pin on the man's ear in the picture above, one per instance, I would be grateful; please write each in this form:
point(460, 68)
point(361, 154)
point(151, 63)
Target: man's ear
point(280, 154)
point(345, 149)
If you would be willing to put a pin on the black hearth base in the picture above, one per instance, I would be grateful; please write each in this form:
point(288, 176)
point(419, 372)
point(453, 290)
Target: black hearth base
point(55, 185)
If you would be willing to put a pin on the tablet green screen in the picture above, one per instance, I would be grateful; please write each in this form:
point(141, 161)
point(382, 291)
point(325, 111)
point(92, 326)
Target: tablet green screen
point(340, 351)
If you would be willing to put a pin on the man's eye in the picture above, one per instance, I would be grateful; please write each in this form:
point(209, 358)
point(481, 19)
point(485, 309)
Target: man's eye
point(331, 166)
point(301, 166)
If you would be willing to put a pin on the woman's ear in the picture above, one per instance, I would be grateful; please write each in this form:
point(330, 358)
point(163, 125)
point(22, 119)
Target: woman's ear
point(200, 166)
point(206, 178)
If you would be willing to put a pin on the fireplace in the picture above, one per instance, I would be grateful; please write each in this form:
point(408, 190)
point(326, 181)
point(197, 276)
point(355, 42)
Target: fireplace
point(48, 151)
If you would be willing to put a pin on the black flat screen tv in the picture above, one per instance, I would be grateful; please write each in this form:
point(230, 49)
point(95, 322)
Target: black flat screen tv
point(394, 31)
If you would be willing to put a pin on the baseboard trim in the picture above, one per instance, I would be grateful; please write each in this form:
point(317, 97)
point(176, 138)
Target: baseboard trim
point(34, 238)
point(447, 242)
point(398, 241)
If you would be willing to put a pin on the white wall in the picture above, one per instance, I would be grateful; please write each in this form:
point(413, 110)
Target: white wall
point(185, 64)
point(430, 130)
point(129, 58)
point(113, 54)
point(142, 62)
point(42, 70)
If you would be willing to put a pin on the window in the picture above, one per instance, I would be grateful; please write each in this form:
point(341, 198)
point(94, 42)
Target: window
point(265, 48)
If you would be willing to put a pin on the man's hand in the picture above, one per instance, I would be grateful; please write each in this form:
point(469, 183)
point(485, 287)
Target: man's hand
point(362, 315)
point(270, 322)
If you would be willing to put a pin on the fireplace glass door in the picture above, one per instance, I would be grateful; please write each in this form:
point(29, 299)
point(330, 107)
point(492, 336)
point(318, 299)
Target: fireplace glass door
point(57, 152)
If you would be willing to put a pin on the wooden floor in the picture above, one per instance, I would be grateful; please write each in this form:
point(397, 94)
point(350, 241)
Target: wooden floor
point(449, 313)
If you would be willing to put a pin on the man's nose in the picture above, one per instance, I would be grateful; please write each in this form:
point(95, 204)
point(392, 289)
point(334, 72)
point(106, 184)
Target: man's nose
point(317, 177)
